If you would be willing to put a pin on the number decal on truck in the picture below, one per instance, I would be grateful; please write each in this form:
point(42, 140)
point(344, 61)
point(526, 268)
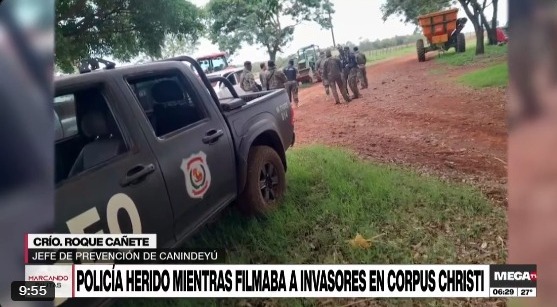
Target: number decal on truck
point(283, 111)
point(88, 218)
point(116, 203)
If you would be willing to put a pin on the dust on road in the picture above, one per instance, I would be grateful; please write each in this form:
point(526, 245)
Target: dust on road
point(412, 116)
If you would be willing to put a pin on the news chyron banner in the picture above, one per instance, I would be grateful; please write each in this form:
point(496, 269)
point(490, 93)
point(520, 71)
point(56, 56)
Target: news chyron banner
point(120, 266)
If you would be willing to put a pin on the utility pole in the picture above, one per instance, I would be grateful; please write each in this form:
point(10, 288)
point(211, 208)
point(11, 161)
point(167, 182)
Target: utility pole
point(332, 32)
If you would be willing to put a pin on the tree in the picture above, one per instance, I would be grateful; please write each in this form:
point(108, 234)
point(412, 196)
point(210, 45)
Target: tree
point(268, 23)
point(490, 27)
point(474, 11)
point(411, 9)
point(172, 46)
point(122, 29)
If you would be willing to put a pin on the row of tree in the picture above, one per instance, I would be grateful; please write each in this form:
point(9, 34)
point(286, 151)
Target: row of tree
point(147, 29)
point(127, 30)
point(367, 45)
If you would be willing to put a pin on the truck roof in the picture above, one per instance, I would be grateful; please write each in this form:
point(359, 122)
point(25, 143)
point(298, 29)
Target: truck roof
point(210, 56)
point(101, 73)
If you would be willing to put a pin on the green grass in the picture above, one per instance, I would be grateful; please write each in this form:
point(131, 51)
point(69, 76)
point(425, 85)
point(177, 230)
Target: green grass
point(332, 195)
point(492, 53)
point(493, 76)
point(385, 54)
point(380, 55)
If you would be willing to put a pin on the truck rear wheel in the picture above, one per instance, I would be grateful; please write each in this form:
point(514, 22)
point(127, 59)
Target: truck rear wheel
point(460, 43)
point(265, 184)
point(420, 48)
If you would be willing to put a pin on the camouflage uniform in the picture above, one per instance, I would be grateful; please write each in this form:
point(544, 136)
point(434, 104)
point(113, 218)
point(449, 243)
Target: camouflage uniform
point(320, 64)
point(262, 79)
point(352, 68)
point(247, 81)
point(362, 74)
point(332, 72)
point(274, 78)
point(317, 66)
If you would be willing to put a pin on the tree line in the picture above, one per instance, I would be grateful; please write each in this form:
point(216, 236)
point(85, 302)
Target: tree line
point(365, 45)
point(146, 29)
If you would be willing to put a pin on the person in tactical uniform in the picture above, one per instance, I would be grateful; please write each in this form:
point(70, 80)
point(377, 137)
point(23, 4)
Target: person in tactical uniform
point(361, 60)
point(291, 84)
point(343, 62)
point(247, 80)
point(332, 72)
point(320, 63)
point(274, 79)
point(352, 68)
point(262, 75)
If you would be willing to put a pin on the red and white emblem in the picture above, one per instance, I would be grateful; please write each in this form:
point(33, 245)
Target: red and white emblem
point(198, 176)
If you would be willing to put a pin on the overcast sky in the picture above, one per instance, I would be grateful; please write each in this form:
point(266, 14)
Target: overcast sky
point(354, 20)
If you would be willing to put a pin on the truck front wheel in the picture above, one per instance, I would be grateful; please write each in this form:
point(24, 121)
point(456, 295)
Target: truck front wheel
point(266, 182)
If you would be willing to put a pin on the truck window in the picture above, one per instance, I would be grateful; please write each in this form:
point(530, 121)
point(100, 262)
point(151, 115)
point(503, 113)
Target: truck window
point(94, 136)
point(168, 101)
point(219, 63)
point(232, 78)
point(65, 120)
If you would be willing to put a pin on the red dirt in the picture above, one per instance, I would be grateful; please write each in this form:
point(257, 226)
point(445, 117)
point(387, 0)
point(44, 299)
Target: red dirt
point(410, 116)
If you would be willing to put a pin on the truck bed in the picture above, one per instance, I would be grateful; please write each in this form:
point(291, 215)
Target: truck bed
point(263, 109)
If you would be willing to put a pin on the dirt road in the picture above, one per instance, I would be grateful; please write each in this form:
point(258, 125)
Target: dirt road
point(411, 115)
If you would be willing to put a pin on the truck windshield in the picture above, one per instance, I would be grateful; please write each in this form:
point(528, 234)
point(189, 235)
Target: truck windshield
point(219, 63)
point(213, 64)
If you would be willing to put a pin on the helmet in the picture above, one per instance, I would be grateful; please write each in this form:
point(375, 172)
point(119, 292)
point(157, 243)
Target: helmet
point(328, 53)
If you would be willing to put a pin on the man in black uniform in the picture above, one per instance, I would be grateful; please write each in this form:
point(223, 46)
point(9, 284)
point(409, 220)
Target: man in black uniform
point(343, 57)
point(291, 84)
point(351, 69)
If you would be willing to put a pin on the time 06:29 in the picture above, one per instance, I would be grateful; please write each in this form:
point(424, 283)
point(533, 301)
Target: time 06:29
point(503, 291)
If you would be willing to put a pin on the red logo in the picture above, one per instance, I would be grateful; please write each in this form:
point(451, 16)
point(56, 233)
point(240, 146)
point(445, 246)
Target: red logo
point(197, 175)
point(533, 276)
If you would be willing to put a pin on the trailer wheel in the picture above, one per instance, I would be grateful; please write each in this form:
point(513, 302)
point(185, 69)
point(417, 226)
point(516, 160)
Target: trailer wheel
point(266, 182)
point(460, 42)
point(421, 50)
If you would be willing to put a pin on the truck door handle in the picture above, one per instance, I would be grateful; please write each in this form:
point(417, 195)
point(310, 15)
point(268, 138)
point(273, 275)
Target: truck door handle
point(137, 173)
point(212, 136)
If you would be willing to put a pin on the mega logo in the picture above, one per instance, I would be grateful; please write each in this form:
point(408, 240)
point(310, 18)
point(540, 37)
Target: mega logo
point(519, 276)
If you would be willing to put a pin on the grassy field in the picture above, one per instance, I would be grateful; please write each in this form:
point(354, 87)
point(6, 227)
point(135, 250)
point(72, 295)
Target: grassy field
point(493, 76)
point(492, 54)
point(385, 54)
point(380, 55)
point(492, 69)
point(333, 196)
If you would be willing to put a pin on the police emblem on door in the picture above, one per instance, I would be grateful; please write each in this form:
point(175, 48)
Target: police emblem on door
point(197, 174)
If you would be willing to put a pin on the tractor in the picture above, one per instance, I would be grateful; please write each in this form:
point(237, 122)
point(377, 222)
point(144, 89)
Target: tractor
point(443, 31)
point(307, 57)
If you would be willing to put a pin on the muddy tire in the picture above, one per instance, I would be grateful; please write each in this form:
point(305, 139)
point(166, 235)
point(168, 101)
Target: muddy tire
point(265, 182)
point(420, 49)
point(460, 43)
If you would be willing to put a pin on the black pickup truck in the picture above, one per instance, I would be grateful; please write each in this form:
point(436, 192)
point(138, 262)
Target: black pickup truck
point(151, 149)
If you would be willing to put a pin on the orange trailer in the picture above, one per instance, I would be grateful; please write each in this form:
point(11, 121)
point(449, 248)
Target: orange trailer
point(443, 31)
